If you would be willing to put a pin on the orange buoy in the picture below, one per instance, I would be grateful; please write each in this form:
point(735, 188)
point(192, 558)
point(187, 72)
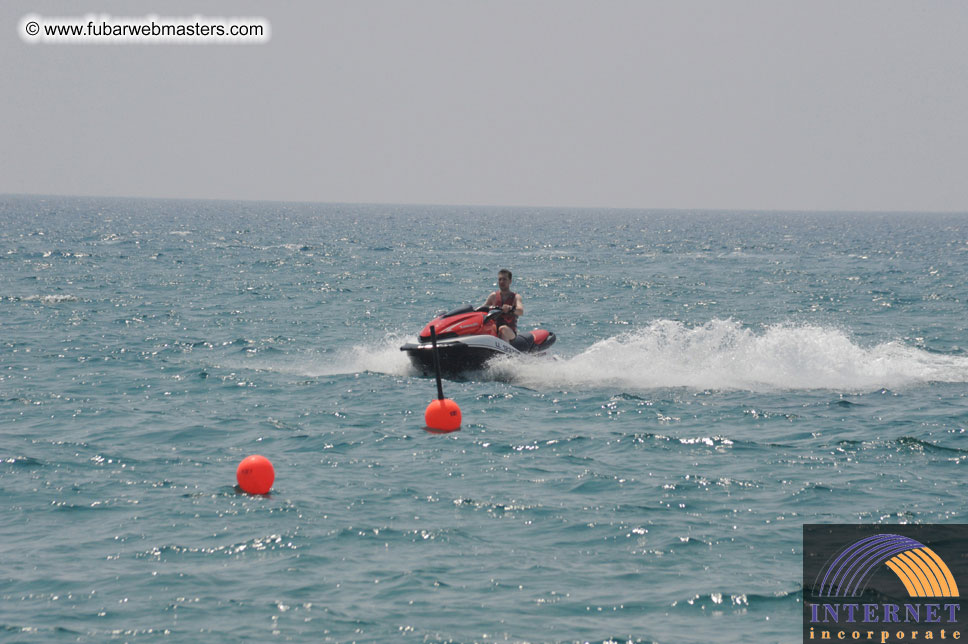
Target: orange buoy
point(255, 474)
point(443, 415)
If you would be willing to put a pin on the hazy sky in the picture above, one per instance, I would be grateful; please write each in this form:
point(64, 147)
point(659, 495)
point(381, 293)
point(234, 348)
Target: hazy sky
point(820, 105)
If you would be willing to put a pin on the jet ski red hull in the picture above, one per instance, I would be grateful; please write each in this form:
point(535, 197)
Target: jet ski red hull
point(467, 340)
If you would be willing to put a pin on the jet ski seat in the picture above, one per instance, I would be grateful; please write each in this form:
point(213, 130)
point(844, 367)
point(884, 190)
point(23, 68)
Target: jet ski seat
point(523, 342)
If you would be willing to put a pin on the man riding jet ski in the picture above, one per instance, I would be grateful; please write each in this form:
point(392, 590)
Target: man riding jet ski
point(510, 304)
point(467, 338)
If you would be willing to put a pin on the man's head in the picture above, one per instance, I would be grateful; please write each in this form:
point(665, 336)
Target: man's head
point(504, 279)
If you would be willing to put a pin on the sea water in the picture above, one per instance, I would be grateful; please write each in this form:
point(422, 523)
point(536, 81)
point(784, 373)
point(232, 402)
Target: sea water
point(721, 378)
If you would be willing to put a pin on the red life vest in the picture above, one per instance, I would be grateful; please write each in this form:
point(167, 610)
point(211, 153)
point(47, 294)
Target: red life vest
point(509, 319)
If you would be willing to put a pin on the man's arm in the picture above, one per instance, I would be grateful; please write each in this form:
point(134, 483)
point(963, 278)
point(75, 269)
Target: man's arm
point(518, 306)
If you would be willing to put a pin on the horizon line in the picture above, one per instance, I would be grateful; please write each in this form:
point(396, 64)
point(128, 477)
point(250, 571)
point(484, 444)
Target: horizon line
point(728, 210)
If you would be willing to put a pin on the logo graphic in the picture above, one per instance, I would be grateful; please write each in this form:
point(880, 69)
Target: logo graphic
point(919, 568)
point(877, 583)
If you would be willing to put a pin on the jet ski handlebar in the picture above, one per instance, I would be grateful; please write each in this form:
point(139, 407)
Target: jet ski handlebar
point(492, 312)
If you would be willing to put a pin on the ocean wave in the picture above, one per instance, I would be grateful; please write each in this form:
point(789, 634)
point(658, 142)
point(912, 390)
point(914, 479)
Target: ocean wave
point(725, 355)
point(720, 355)
point(736, 600)
point(48, 299)
point(383, 357)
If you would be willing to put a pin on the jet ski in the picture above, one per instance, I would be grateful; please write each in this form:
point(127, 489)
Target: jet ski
point(467, 339)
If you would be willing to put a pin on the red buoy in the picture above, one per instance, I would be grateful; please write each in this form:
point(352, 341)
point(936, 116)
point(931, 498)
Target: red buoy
point(443, 415)
point(255, 474)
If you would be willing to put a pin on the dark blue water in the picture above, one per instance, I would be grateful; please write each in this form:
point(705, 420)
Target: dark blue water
point(722, 379)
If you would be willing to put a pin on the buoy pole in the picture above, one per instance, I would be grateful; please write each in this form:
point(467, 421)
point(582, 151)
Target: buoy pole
point(442, 415)
point(433, 341)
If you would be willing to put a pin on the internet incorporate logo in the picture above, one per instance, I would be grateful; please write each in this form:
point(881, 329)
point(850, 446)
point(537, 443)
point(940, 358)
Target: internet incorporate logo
point(884, 583)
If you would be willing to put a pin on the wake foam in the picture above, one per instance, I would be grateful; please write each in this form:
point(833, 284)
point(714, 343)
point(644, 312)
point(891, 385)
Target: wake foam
point(723, 355)
point(720, 355)
point(48, 299)
point(384, 357)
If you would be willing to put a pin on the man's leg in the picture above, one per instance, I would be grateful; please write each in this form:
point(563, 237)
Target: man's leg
point(506, 333)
